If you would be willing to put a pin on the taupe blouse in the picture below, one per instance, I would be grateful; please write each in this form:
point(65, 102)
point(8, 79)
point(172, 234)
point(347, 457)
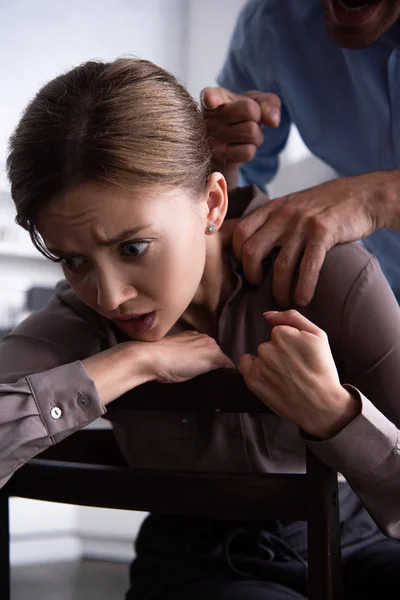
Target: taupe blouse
point(42, 382)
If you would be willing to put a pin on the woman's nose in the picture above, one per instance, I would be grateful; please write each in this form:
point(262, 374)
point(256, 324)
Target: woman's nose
point(111, 293)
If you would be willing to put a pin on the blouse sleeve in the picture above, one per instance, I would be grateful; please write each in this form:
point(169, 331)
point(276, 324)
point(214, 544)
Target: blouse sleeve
point(356, 307)
point(45, 391)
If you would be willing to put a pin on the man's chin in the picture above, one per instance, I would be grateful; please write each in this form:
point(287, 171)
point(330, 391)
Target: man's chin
point(351, 40)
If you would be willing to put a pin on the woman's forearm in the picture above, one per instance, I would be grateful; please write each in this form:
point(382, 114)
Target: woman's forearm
point(119, 369)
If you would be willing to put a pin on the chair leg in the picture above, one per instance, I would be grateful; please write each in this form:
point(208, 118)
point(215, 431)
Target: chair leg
point(5, 590)
point(324, 548)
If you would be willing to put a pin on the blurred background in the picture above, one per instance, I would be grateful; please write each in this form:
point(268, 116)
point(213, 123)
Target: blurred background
point(38, 40)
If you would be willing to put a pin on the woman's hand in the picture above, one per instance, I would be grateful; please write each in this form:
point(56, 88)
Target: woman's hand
point(183, 356)
point(173, 359)
point(294, 374)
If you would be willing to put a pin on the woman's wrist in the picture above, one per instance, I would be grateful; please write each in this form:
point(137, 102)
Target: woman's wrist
point(119, 369)
point(345, 407)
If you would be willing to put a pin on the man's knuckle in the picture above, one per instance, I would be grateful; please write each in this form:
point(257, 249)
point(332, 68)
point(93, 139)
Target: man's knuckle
point(251, 109)
point(241, 232)
point(248, 152)
point(249, 251)
point(282, 264)
point(318, 227)
point(310, 265)
point(251, 130)
point(286, 212)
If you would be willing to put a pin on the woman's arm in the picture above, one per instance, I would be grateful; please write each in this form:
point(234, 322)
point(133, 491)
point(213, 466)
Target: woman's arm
point(358, 437)
point(56, 377)
point(295, 376)
point(45, 395)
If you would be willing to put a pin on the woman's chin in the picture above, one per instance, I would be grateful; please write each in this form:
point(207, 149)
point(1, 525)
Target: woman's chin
point(148, 336)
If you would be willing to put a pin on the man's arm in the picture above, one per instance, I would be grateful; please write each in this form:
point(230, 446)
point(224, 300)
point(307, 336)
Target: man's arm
point(246, 118)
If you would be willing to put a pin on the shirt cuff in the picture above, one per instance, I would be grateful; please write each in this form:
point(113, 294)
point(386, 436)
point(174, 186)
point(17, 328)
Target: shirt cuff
point(66, 398)
point(361, 447)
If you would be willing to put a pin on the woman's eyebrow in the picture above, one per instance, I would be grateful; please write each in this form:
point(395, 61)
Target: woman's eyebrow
point(119, 237)
point(123, 235)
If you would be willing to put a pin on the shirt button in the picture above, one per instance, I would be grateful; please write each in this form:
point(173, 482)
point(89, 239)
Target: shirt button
point(56, 412)
point(83, 400)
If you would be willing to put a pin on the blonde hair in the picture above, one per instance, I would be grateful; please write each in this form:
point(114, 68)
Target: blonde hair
point(125, 123)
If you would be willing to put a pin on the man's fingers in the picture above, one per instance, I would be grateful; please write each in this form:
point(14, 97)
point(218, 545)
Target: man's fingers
point(310, 268)
point(238, 154)
point(284, 268)
point(236, 111)
point(267, 111)
point(293, 318)
point(270, 106)
point(236, 144)
point(212, 97)
point(253, 253)
point(248, 226)
point(248, 132)
point(251, 244)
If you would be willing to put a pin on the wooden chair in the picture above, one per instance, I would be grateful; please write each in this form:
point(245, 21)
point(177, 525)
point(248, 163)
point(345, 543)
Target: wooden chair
point(88, 469)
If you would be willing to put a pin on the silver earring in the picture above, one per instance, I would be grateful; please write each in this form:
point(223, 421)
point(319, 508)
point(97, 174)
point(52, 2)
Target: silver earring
point(212, 228)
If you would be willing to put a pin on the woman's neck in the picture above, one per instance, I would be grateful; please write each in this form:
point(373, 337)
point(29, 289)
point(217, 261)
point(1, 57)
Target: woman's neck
point(216, 285)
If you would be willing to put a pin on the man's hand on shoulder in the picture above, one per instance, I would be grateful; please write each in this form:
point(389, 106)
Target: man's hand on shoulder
point(305, 225)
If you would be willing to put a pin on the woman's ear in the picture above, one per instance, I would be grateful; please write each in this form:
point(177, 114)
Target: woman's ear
point(217, 202)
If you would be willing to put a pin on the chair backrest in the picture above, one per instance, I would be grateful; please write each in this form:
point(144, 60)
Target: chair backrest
point(87, 468)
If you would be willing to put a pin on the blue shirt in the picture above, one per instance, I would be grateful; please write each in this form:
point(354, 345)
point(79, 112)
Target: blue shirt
point(345, 103)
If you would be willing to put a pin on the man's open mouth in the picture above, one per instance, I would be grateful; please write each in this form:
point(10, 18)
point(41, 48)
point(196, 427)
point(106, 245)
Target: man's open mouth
point(353, 13)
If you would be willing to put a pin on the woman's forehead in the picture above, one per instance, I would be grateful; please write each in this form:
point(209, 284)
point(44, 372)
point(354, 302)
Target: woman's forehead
point(106, 211)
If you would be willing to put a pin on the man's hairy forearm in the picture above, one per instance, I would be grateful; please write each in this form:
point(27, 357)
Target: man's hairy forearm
point(384, 199)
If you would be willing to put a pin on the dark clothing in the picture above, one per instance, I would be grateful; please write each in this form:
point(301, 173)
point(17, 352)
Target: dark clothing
point(182, 558)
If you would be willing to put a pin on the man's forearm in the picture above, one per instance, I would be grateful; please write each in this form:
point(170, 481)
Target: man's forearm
point(383, 190)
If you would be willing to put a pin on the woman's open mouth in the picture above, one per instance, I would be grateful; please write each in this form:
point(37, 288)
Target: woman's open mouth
point(138, 324)
point(353, 13)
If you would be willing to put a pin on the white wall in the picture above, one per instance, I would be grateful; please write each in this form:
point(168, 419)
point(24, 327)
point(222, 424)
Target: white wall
point(209, 27)
point(107, 533)
point(42, 38)
point(43, 532)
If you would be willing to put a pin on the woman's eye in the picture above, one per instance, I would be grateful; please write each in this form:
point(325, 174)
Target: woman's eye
point(134, 249)
point(73, 263)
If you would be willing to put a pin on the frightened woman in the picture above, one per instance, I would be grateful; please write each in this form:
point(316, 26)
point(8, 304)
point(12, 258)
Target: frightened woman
point(110, 173)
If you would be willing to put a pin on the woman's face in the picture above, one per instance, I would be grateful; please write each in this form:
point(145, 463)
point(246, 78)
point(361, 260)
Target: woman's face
point(136, 257)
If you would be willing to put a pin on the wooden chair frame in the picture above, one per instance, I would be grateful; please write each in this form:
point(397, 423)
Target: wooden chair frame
point(88, 469)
